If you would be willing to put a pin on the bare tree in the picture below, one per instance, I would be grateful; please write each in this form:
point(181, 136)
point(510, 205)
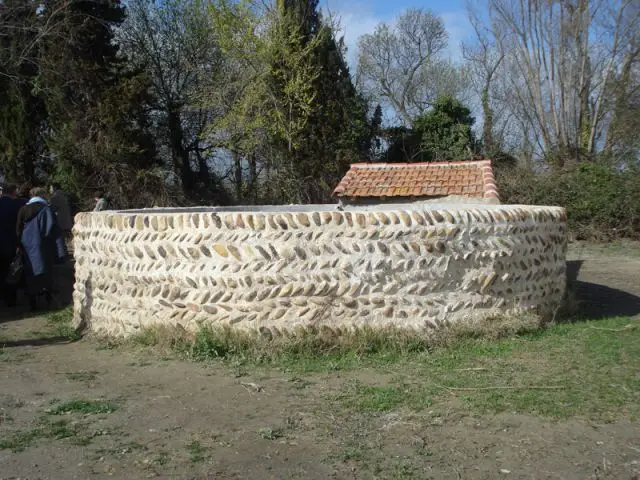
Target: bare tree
point(402, 65)
point(484, 58)
point(561, 61)
point(175, 43)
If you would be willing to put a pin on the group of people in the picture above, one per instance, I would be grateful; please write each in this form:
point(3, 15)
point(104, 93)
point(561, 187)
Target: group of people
point(34, 229)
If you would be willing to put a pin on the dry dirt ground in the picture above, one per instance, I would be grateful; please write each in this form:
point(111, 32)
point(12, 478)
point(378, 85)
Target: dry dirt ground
point(80, 410)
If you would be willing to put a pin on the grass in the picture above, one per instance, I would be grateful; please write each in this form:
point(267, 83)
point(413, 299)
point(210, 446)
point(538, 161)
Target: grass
point(197, 453)
point(59, 428)
point(537, 373)
point(487, 368)
point(162, 458)
point(59, 325)
point(379, 399)
point(324, 350)
point(56, 429)
point(269, 433)
point(85, 407)
point(352, 452)
point(12, 355)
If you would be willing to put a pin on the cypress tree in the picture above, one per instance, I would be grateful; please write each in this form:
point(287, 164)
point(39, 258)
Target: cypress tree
point(21, 109)
point(337, 131)
point(97, 107)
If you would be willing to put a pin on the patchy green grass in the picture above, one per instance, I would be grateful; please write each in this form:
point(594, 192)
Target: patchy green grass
point(516, 367)
point(588, 368)
point(324, 350)
point(13, 355)
point(269, 433)
point(59, 325)
point(47, 427)
point(365, 398)
point(85, 407)
point(162, 458)
point(19, 441)
point(53, 429)
point(197, 453)
point(352, 451)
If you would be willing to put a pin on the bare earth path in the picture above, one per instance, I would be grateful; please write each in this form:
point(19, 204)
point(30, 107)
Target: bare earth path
point(162, 417)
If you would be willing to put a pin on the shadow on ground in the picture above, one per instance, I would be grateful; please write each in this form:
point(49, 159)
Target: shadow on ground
point(599, 301)
point(63, 290)
point(35, 342)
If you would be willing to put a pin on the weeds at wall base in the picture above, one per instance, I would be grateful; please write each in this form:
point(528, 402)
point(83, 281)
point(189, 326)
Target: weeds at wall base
point(340, 345)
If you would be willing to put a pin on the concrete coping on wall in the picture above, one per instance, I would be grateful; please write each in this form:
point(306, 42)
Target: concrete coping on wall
point(310, 208)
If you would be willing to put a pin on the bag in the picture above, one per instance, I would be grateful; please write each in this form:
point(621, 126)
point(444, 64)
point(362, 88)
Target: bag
point(15, 270)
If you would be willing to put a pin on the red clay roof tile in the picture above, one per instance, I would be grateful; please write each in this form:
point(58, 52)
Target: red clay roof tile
point(467, 178)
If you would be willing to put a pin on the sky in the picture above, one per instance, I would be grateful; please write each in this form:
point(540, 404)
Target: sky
point(358, 17)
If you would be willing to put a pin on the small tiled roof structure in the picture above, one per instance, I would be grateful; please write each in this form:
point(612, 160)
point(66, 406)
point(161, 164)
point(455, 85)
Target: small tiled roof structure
point(431, 179)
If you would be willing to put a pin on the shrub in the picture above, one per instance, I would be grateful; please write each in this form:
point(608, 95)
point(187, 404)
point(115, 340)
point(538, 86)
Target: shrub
point(602, 200)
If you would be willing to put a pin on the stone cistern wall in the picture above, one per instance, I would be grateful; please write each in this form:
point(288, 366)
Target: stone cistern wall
point(414, 266)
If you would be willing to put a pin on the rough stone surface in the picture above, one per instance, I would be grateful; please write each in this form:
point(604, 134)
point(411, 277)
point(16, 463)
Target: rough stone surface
point(283, 268)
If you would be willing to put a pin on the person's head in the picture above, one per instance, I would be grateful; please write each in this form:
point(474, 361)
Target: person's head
point(99, 194)
point(24, 191)
point(55, 187)
point(9, 190)
point(38, 192)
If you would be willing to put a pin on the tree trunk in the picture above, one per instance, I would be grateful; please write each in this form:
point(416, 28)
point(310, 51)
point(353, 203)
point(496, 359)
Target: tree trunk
point(179, 154)
point(237, 167)
point(203, 169)
point(487, 129)
point(253, 179)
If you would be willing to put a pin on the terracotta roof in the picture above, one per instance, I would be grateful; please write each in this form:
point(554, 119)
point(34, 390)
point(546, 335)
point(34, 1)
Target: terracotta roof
point(432, 179)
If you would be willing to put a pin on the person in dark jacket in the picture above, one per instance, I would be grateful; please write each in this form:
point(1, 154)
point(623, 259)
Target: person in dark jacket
point(24, 194)
point(59, 202)
point(38, 233)
point(9, 207)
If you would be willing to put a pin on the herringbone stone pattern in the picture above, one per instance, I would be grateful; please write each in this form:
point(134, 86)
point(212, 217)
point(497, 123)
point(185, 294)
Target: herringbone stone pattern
point(417, 267)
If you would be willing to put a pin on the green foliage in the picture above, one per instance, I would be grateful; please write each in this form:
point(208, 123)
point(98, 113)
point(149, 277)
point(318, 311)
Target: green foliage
point(297, 103)
point(404, 145)
point(74, 111)
point(97, 107)
point(59, 325)
point(442, 133)
point(445, 131)
point(602, 200)
point(363, 398)
point(21, 109)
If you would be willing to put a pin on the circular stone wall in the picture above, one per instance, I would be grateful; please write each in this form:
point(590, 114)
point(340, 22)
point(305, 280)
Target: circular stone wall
point(409, 266)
